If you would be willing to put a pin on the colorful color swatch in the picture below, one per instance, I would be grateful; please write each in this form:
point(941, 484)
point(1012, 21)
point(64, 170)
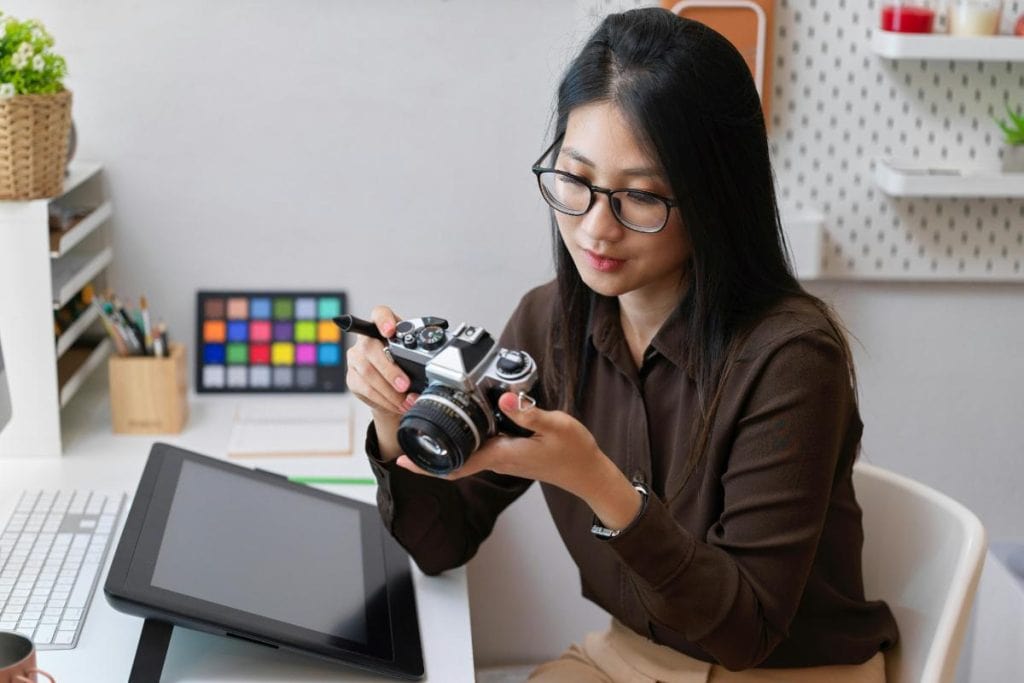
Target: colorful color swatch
point(269, 342)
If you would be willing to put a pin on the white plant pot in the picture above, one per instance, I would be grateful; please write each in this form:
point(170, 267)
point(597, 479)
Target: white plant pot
point(1013, 159)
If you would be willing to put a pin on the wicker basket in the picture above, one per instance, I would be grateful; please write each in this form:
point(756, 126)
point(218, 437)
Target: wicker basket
point(34, 145)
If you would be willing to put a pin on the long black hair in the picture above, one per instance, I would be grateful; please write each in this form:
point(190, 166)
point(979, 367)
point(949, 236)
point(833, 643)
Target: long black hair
point(692, 103)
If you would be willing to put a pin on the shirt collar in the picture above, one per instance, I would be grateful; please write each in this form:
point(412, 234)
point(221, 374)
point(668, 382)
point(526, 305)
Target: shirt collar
point(670, 340)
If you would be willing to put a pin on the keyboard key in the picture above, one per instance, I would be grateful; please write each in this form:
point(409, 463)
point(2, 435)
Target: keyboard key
point(64, 637)
point(73, 613)
point(95, 505)
point(44, 633)
point(68, 625)
point(80, 594)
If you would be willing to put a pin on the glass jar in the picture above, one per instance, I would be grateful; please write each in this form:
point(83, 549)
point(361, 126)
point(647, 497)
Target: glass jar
point(974, 17)
point(909, 16)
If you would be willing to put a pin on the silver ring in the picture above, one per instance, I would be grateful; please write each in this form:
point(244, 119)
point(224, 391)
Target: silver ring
point(387, 354)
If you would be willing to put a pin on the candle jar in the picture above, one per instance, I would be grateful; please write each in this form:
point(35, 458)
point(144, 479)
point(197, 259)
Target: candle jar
point(909, 16)
point(974, 17)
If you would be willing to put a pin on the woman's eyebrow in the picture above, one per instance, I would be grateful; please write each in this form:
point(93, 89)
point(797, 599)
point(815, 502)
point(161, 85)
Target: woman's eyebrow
point(575, 154)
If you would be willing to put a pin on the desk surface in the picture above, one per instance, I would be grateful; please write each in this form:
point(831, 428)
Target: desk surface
point(96, 459)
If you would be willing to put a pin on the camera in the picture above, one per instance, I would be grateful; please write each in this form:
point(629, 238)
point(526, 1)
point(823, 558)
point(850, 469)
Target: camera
point(459, 375)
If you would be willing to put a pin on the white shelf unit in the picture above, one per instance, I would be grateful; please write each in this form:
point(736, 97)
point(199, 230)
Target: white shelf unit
point(1001, 48)
point(804, 227)
point(905, 179)
point(37, 277)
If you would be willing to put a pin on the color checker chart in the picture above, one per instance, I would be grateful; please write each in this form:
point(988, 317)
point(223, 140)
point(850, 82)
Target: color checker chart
point(269, 342)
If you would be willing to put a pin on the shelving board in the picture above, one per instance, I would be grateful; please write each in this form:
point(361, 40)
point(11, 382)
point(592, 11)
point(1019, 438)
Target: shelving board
point(82, 229)
point(76, 329)
point(1002, 48)
point(805, 233)
point(78, 173)
point(75, 366)
point(906, 179)
point(73, 271)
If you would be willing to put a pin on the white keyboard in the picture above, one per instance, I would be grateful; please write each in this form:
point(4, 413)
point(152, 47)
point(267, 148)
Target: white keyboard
point(52, 551)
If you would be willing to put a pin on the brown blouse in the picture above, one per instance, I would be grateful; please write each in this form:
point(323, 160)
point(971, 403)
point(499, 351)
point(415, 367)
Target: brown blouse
point(756, 560)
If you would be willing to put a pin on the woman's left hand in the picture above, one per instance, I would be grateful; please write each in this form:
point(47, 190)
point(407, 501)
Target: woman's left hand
point(561, 452)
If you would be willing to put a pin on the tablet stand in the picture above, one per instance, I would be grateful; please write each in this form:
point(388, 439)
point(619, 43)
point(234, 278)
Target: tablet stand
point(150, 654)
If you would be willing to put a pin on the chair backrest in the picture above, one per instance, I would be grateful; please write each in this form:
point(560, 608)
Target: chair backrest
point(923, 554)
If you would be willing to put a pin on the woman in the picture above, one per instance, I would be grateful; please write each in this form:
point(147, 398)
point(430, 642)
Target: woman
point(696, 425)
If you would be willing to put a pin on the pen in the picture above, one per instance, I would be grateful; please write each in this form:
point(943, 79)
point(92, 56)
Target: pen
point(350, 323)
point(113, 332)
point(114, 322)
point(158, 344)
point(132, 327)
point(147, 330)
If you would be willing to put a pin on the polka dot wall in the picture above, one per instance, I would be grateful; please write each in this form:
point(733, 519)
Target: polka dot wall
point(838, 108)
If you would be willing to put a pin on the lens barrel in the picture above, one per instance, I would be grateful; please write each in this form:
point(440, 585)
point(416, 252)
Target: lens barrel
point(442, 429)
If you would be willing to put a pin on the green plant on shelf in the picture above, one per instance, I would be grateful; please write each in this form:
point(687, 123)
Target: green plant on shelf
point(27, 64)
point(1013, 127)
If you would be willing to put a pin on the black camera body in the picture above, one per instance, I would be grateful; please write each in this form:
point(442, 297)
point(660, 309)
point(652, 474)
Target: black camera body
point(459, 375)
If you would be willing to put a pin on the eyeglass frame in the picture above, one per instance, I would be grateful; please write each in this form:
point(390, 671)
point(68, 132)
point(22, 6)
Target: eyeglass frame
point(595, 190)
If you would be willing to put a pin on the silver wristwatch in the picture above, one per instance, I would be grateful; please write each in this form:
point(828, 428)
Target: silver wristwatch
point(604, 533)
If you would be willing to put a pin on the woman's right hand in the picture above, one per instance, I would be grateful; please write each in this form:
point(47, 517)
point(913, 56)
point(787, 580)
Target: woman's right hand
point(377, 381)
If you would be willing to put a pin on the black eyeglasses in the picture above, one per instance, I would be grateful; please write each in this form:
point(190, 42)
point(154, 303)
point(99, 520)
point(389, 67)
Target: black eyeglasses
point(572, 195)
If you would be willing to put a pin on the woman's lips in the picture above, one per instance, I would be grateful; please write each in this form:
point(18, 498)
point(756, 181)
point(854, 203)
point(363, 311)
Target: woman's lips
point(603, 263)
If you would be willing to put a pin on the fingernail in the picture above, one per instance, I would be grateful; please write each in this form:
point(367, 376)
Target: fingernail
point(410, 399)
point(388, 330)
point(401, 383)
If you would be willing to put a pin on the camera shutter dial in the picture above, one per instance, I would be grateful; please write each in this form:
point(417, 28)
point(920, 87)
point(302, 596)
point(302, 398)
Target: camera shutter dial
point(431, 337)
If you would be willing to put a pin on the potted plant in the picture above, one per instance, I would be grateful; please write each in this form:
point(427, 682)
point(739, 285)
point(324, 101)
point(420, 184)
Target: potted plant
point(1013, 152)
point(35, 112)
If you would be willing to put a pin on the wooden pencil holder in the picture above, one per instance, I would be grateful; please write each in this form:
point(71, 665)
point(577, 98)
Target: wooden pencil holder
point(149, 395)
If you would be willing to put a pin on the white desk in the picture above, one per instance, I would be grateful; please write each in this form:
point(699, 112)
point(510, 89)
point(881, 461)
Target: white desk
point(97, 459)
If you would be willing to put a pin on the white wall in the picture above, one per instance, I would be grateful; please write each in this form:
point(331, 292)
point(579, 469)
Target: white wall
point(383, 148)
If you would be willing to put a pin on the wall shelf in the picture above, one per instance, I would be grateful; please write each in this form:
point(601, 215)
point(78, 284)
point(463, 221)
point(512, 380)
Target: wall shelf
point(74, 271)
point(39, 273)
point(75, 366)
point(81, 324)
point(78, 173)
point(81, 230)
point(805, 235)
point(1002, 48)
point(906, 179)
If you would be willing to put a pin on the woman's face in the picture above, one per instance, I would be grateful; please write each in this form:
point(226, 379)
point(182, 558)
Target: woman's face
point(612, 259)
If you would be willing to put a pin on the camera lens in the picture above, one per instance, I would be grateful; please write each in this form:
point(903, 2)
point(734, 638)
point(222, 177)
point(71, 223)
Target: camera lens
point(442, 428)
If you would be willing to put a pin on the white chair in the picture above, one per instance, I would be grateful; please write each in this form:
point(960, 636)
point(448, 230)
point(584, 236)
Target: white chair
point(923, 554)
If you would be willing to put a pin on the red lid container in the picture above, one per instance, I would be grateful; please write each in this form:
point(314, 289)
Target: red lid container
point(908, 18)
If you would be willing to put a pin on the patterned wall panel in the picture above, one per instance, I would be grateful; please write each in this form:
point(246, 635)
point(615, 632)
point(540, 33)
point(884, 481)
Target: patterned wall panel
point(838, 107)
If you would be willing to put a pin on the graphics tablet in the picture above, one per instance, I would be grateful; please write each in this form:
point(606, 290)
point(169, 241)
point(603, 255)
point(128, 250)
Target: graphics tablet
point(212, 546)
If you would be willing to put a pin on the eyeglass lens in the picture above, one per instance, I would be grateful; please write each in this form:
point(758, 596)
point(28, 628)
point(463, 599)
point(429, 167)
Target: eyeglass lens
point(637, 210)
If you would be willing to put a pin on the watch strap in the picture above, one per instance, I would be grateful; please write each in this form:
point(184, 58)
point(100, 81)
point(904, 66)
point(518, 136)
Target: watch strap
point(604, 533)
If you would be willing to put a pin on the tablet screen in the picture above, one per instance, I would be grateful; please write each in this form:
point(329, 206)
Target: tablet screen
point(228, 563)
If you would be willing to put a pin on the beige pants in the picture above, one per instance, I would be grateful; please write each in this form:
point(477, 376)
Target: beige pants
point(619, 655)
